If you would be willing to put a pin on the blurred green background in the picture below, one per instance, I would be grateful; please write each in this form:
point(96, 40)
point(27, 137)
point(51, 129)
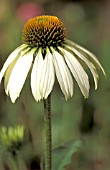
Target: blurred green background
point(87, 23)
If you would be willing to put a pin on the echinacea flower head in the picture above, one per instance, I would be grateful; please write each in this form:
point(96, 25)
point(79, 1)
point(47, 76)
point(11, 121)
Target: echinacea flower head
point(47, 53)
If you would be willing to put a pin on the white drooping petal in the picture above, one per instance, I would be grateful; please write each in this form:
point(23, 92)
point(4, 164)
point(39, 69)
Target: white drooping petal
point(42, 76)
point(19, 75)
point(90, 65)
point(78, 72)
point(35, 76)
point(63, 74)
point(93, 57)
point(48, 75)
point(11, 57)
point(87, 52)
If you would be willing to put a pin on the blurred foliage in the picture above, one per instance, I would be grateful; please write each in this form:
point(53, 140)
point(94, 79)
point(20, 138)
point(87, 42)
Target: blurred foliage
point(62, 155)
point(88, 24)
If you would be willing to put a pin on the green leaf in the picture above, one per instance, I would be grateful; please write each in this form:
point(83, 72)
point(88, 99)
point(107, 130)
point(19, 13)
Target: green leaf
point(61, 157)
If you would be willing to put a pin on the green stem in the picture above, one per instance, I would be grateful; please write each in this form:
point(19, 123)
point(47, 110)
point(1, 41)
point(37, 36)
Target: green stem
point(14, 162)
point(48, 133)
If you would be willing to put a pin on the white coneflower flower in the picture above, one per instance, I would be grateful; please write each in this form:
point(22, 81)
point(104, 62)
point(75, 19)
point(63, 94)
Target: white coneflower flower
point(46, 52)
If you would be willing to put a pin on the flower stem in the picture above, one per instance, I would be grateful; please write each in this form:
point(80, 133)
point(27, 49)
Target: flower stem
point(14, 162)
point(48, 135)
